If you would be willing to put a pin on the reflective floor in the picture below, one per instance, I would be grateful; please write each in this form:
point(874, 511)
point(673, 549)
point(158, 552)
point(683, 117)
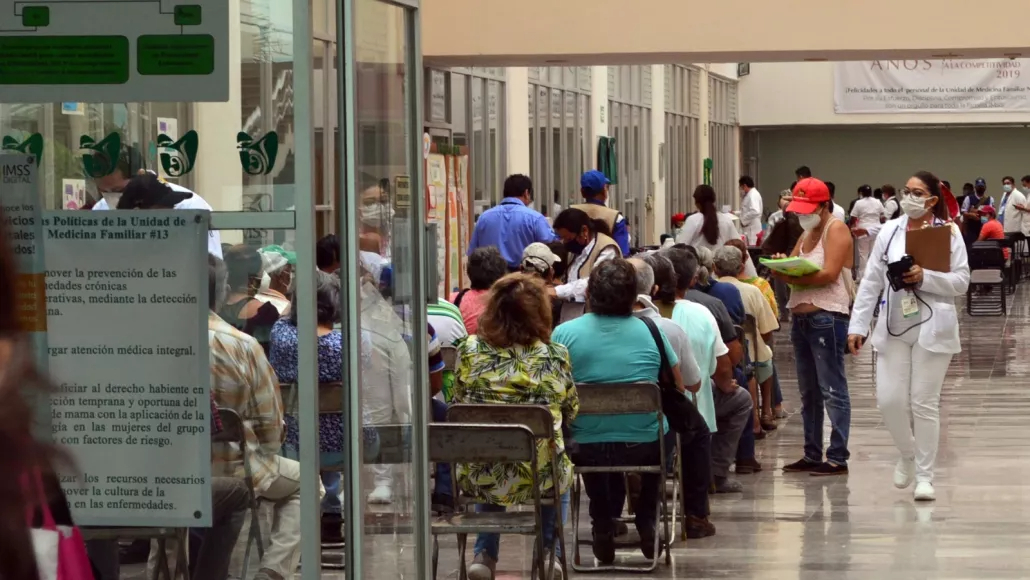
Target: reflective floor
point(859, 526)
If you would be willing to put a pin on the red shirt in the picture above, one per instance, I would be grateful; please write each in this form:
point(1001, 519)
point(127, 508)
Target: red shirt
point(993, 230)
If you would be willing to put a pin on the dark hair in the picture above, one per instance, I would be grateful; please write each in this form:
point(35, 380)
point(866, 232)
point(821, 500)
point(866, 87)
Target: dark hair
point(865, 190)
point(1008, 178)
point(517, 313)
point(966, 186)
point(327, 251)
point(684, 266)
point(832, 187)
point(793, 184)
point(146, 191)
point(517, 184)
point(888, 190)
point(704, 197)
point(130, 161)
point(243, 263)
point(327, 300)
point(574, 220)
point(946, 183)
point(746, 180)
point(802, 172)
point(1026, 179)
point(664, 276)
point(216, 275)
point(485, 266)
point(612, 288)
point(933, 186)
point(23, 453)
point(562, 252)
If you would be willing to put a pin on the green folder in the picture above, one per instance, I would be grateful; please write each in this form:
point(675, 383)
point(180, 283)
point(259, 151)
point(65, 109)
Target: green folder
point(790, 266)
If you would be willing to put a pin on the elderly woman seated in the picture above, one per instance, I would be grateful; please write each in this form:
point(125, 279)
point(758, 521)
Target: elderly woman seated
point(512, 359)
point(283, 358)
point(610, 345)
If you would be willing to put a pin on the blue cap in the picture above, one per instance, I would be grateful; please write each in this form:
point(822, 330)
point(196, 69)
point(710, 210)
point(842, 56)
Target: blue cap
point(981, 181)
point(593, 180)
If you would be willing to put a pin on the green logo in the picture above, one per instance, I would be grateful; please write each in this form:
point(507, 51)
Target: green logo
point(257, 157)
point(178, 158)
point(33, 145)
point(101, 158)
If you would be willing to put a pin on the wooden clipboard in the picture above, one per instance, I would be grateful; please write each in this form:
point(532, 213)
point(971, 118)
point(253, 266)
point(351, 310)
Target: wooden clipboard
point(930, 247)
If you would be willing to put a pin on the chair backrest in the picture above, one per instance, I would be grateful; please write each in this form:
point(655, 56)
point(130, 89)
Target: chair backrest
point(330, 398)
point(450, 357)
point(476, 443)
point(618, 398)
point(394, 445)
point(232, 428)
point(986, 255)
point(537, 417)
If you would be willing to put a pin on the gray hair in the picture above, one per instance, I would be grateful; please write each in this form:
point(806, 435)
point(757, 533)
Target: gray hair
point(612, 288)
point(327, 299)
point(728, 261)
point(705, 265)
point(664, 276)
point(645, 275)
point(684, 265)
point(217, 282)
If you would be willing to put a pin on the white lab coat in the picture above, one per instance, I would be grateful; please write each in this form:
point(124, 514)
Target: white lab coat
point(1015, 220)
point(751, 215)
point(939, 289)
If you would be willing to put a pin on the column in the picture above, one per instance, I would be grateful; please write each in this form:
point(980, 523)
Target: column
point(516, 84)
point(658, 217)
point(703, 149)
point(599, 112)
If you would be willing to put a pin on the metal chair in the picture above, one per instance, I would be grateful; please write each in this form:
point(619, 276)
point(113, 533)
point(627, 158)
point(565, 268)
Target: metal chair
point(539, 420)
point(477, 443)
point(162, 535)
point(987, 273)
point(622, 399)
point(233, 434)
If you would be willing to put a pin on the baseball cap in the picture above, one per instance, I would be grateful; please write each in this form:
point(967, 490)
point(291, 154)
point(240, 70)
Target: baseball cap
point(538, 253)
point(593, 180)
point(981, 181)
point(986, 210)
point(808, 194)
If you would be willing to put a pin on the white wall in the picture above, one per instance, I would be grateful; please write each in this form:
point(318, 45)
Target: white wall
point(801, 93)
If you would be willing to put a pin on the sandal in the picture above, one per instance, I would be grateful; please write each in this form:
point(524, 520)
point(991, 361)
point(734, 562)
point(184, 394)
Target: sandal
point(768, 423)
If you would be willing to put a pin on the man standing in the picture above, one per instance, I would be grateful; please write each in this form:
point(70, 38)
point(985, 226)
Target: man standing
point(594, 187)
point(512, 225)
point(1013, 207)
point(750, 210)
point(971, 222)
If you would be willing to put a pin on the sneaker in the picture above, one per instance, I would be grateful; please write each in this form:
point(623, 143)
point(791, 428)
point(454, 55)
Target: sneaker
point(603, 545)
point(621, 529)
point(698, 528)
point(904, 473)
point(482, 568)
point(780, 413)
point(801, 466)
point(558, 573)
point(748, 466)
point(825, 469)
point(381, 495)
point(647, 542)
point(925, 492)
point(726, 485)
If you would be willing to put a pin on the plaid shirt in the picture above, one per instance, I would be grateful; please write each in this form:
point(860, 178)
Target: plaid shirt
point(242, 380)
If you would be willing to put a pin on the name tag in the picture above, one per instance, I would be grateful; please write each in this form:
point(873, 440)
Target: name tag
point(909, 306)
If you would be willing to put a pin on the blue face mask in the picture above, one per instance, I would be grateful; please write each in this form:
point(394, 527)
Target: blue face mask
point(983, 219)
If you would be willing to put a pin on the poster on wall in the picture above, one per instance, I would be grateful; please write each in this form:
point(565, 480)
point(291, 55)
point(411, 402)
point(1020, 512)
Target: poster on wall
point(464, 216)
point(932, 86)
point(436, 208)
point(454, 247)
point(127, 317)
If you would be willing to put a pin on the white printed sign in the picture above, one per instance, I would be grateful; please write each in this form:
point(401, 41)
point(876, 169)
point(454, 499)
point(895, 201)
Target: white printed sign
point(932, 86)
point(126, 299)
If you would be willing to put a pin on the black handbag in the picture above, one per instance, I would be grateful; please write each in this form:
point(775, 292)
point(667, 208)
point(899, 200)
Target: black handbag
point(679, 411)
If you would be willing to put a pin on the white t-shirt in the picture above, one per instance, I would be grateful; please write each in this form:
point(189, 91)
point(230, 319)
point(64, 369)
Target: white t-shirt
point(868, 211)
point(838, 212)
point(692, 235)
point(751, 215)
point(890, 206)
point(214, 239)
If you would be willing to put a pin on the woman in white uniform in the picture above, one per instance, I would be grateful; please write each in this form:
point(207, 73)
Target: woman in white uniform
point(865, 217)
point(709, 227)
point(917, 334)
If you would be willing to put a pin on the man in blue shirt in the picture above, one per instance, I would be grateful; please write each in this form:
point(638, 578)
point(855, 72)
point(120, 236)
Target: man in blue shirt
point(594, 187)
point(512, 225)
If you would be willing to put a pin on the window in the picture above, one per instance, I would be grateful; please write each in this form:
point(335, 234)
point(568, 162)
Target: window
point(681, 138)
point(629, 91)
point(558, 112)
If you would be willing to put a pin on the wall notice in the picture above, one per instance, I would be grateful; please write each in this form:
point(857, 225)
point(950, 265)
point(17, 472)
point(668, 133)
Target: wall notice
point(932, 86)
point(133, 50)
point(126, 299)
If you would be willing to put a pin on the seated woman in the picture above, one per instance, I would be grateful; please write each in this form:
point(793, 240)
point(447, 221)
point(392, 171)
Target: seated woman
point(539, 260)
point(283, 358)
point(242, 310)
point(610, 345)
point(485, 266)
point(513, 360)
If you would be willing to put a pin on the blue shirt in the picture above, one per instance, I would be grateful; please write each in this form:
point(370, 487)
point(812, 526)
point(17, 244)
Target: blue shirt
point(511, 226)
point(620, 232)
point(729, 295)
point(613, 349)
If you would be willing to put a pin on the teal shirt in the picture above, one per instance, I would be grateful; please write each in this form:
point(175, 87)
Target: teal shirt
point(613, 349)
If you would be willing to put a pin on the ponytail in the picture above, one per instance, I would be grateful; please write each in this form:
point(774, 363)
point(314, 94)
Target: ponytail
point(704, 197)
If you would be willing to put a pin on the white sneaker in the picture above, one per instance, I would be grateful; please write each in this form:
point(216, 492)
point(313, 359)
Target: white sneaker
point(381, 495)
point(925, 492)
point(482, 568)
point(904, 473)
point(558, 574)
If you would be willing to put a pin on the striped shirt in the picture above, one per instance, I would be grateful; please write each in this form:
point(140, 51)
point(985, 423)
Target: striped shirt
point(446, 319)
point(242, 380)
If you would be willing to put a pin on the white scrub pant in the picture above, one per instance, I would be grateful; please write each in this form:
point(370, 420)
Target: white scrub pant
point(908, 392)
point(865, 247)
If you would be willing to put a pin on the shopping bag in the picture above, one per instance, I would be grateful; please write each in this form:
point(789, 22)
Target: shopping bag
point(60, 550)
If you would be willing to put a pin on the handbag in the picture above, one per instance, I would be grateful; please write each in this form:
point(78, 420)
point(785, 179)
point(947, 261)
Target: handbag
point(60, 550)
point(682, 415)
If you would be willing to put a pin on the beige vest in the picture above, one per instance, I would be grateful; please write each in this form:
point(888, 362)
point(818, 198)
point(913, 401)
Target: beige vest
point(600, 243)
point(599, 212)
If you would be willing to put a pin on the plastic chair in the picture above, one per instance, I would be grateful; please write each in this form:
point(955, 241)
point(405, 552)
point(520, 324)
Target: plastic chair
point(622, 399)
point(233, 433)
point(477, 443)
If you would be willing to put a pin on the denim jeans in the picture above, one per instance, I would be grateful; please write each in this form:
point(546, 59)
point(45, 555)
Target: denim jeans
point(331, 504)
point(443, 470)
point(820, 339)
point(491, 543)
point(606, 489)
point(777, 396)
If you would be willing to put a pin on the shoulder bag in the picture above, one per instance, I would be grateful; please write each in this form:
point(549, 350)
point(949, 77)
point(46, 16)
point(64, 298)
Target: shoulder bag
point(682, 415)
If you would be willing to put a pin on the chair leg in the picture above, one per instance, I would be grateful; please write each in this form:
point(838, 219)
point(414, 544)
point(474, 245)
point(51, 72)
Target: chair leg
point(462, 573)
point(576, 559)
point(436, 554)
point(182, 563)
point(161, 568)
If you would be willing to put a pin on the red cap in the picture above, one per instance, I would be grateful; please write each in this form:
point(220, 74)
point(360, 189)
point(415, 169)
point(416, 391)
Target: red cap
point(808, 194)
point(987, 210)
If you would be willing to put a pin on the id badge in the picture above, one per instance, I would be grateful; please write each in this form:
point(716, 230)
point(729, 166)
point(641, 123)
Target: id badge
point(909, 306)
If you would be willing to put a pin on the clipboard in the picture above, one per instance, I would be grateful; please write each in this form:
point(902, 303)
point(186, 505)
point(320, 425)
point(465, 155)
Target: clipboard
point(930, 247)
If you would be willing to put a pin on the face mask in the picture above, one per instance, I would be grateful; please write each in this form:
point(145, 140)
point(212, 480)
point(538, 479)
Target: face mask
point(376, 215)
point(1006, 188)
point(575, 246)
point(810, 222)
point(913, 207)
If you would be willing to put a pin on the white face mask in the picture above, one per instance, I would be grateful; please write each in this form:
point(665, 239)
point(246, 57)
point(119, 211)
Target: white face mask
point(913, 206)
point(1006, 188)
point(376, 215)
point(810, 222)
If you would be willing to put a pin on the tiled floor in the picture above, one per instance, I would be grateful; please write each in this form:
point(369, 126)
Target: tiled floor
point(859, 526)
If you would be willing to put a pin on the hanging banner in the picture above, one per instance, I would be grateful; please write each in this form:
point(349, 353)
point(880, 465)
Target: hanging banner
point(932, 86)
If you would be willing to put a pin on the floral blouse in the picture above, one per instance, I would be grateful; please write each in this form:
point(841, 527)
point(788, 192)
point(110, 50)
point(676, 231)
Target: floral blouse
point(540, 374)
point(767, 291)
